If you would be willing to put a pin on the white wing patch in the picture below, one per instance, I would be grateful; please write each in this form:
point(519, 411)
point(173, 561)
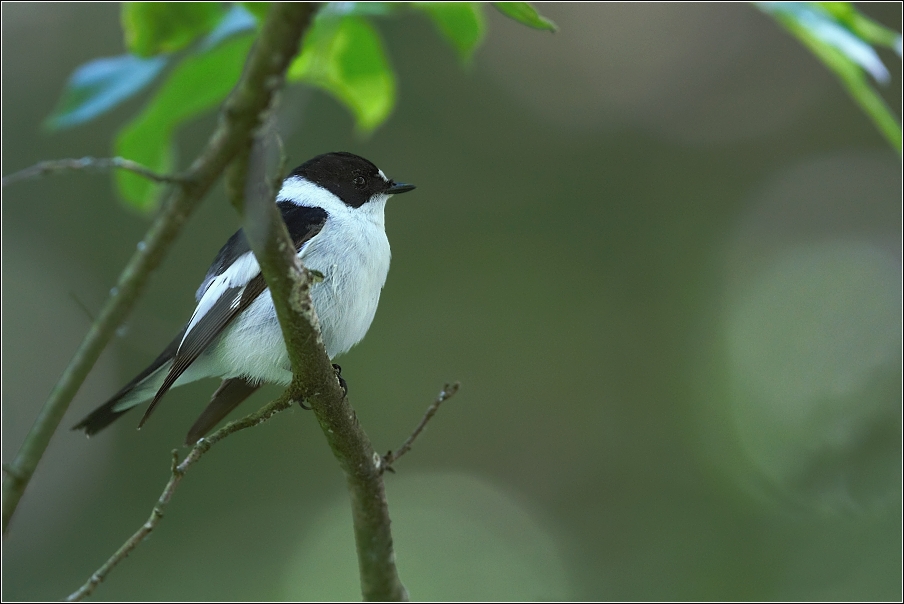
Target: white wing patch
point(239, 274)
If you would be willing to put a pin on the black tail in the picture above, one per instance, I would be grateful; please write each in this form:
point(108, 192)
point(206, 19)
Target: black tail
point(227, 397)
point(103, 416)
point(106, 414)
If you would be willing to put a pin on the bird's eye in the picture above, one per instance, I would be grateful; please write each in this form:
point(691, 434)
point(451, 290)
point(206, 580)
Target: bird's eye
point(359, 182)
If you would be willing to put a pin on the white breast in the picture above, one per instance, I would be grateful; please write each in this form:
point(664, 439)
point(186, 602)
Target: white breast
point(352, 252)
point(354, 259)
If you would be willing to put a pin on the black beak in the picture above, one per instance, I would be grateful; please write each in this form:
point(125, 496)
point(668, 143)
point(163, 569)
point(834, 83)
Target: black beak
point(398, 187)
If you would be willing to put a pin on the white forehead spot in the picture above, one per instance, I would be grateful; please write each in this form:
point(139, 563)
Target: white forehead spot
point(383, 176)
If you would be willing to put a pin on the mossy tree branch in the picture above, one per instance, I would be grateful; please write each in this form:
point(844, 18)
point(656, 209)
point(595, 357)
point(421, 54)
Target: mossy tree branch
point(314, 379)
point(242, 113)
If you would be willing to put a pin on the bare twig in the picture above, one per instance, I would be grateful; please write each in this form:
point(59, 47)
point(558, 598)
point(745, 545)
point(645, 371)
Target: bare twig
point(87, 163)
point(177, 471)
point(448, 391)
point(241, 116)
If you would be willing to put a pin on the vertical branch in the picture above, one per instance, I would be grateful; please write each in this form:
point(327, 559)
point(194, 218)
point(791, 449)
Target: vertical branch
point(314, 379)
point(264, 73)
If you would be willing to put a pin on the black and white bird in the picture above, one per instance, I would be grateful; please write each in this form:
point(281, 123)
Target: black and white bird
point(333, 206)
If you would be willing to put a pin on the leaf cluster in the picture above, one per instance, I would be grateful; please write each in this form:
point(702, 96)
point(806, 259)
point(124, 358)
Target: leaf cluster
point(198, 50)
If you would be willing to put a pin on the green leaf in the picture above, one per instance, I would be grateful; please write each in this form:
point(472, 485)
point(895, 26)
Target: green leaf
point(98, 86)
point(197, 84)
point(258, 9)
point(237, 20)
point(462, 23)
point(359, 9)
point(523, 12)
point(854, 79)
point(345, 57)
point(863, 26)
point(822, 26)
point(152, 28)
point(845, 54)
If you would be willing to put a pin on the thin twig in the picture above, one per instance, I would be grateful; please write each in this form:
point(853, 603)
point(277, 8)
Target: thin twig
point(177, 471)
point(445, 394)
point(87, 163)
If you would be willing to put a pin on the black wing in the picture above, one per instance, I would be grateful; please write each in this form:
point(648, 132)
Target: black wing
point(298, 219)
point(104, 415)
point(303, 224)
point(226, 398)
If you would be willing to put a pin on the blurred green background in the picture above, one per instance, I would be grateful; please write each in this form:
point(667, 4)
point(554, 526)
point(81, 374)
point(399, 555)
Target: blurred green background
point(661, 250)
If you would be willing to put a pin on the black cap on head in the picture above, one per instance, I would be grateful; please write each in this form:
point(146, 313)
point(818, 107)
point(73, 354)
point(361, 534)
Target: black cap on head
point(349, 177)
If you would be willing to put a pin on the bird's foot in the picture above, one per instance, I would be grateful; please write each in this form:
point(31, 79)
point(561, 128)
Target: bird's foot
point(342, 383)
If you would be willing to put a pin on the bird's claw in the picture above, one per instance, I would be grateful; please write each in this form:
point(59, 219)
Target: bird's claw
point(342, 383)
